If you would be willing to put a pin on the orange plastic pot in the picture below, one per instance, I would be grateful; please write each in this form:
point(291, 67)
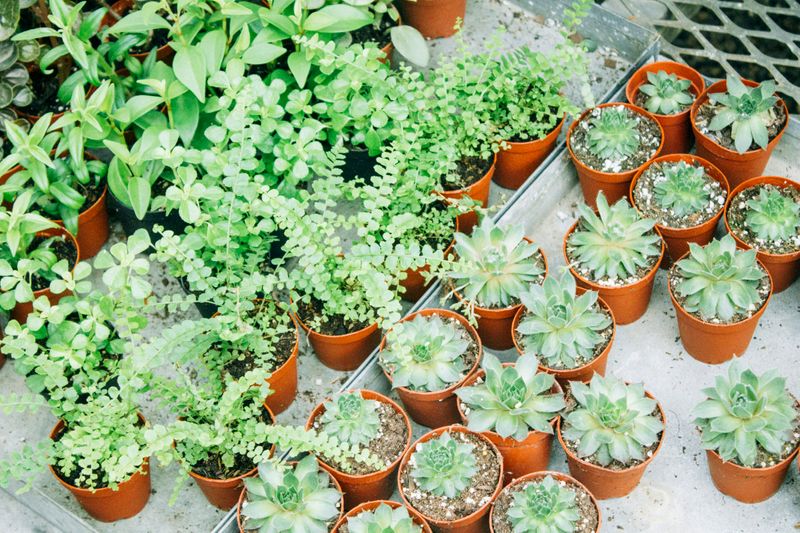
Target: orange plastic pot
point(517, 163)
point(23, 309)
point(371, 506)
point(93, 228)
point(602, 482)
point(519, 457)
point(714, 344)
point(536, 476)
point(615, 185)
point(106, 504)
point(736, 167)
point(343, 352)
point(748, 485)
point(678, 138)
point(439, 408)
point(783, 268)
point(582, 373)
point(677, 239)
point(283, 381)
point(478, 191)
point(414, 284)
point(477, 522)
point(433, 18)
point(379, 485)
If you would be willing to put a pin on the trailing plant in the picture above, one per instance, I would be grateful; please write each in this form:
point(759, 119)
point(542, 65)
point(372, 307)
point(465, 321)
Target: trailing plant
point(512, 401)
point(544, 506)
point(443, 466)
point(746, 110)
point(665, 93)
point(612, 133)
point(351, 418)
point(773, 216)
point(683, 190)
point(383, 519)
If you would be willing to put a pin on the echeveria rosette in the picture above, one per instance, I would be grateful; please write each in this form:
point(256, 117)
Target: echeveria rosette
point(613, 421)
point(773, 216)
point(351, 418)
point(512, 401)
point(718, 281)
point(683, 189)
point(613, 133)
point(747, 110)
point(544, 506)
point(383, 519)
point(562, 329)
point(744, 411)
point(444, 466)
point(666, 93)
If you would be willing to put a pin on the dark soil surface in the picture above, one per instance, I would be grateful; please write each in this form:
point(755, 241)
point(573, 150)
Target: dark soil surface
point(369, 34)
point(63, 248)
point(470, 170)
point(737, 215)
point(283, 344)
point(641, 99)
point(645, 200)
point(478, 494)
point(45, 95)
point(708, 111)
point(587, 523)
point(159, 38)
point(336, 325)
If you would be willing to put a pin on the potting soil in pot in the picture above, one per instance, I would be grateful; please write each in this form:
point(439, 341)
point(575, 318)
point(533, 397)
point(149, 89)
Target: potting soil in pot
point(708, 110)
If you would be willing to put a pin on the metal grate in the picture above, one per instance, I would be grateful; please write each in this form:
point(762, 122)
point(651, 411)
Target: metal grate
point(758, 39)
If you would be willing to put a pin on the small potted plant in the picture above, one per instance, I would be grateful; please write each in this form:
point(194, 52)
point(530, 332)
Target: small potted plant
point(383, 516)
point(750, 428)
point(377, 424)
point(296, 497)
point(615, 252)
point(569, 329)
point(516, 408)
point(719, 294)
point(493, 266)
point(737, 123)
point(434, 18)
point(667, 89)
point(608, 144)
point(610, 434)
point(426, 357)
point(764, 213)
point(685, 195)
point(451, 476)
point(545, 501)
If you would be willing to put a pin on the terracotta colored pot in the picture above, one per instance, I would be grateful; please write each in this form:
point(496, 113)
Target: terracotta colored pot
point(108, 505)
point(478, 191)
point(122, 8)
point(477, 522)
point(677, 239)
point(283, 381)
point(748, 485)
point(414, 284)
point(783, 268)
point(536, 476)
point(518, 162)
point(433, 18)
point(678, 138)
point(93, 228)
point(736, 167)
point(22, 310)
point(436, 409)
point(615, 185)
point(334, 483)
point(714, 344)
point(627, 303)
point(359, 489)
point(371, 506)
point(343, 352)
point(582, 373)
point(519, 457)
point(602, 482)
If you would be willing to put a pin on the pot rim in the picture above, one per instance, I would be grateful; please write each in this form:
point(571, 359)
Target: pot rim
point(374, 504)
point(366, 330)
point(523, 144)
point(670, 68)
point(746, 469)
point(60, 231)
point(464, 191)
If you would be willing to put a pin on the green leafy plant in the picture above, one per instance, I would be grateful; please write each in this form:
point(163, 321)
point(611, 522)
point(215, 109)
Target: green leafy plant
point(746, 110)
point(612, 133)
point(717, 281)
point(665, 93)
point(512, 401)
point(444, 466)
point(613, 243)
point(351, 418)
point(744, 413)
point(683, 190)
point(612, 421)
point(563, 329)
point(383, 519)
point(772, 215)
point(544, 506)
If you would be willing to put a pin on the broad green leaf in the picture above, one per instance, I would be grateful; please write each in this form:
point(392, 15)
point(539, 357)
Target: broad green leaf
point(190, 68)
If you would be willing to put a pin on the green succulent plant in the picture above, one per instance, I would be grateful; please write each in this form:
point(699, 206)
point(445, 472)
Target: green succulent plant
point(666, 93)
point(612, 133)
point(15, 84)
point(745, 411)
point(512, 401)
point(773, 216)
point(444, 466)
point(297, 500)
point(351, 418)
point(613, 421)
point(425, 354)
point(495, 264)
point(563, 329)
point(718, 281)
point(383, 519)
point(747, 110)
point(615, 242)
point(683, 188)
point(544, 506)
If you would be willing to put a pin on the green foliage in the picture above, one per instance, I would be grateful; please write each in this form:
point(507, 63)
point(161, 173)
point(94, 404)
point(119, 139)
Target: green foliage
point(512, 401)
point(544, 506)
point(351, 418)
point(666, 93)
point(563, 329)
point(15, 57)
point(744, 413)
point(718, 281)
point(383, 519)
point(773, 216)
point(746, 110)
point(444, 466)
point(612, 421)
point(683, 190)
point(612, 133)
